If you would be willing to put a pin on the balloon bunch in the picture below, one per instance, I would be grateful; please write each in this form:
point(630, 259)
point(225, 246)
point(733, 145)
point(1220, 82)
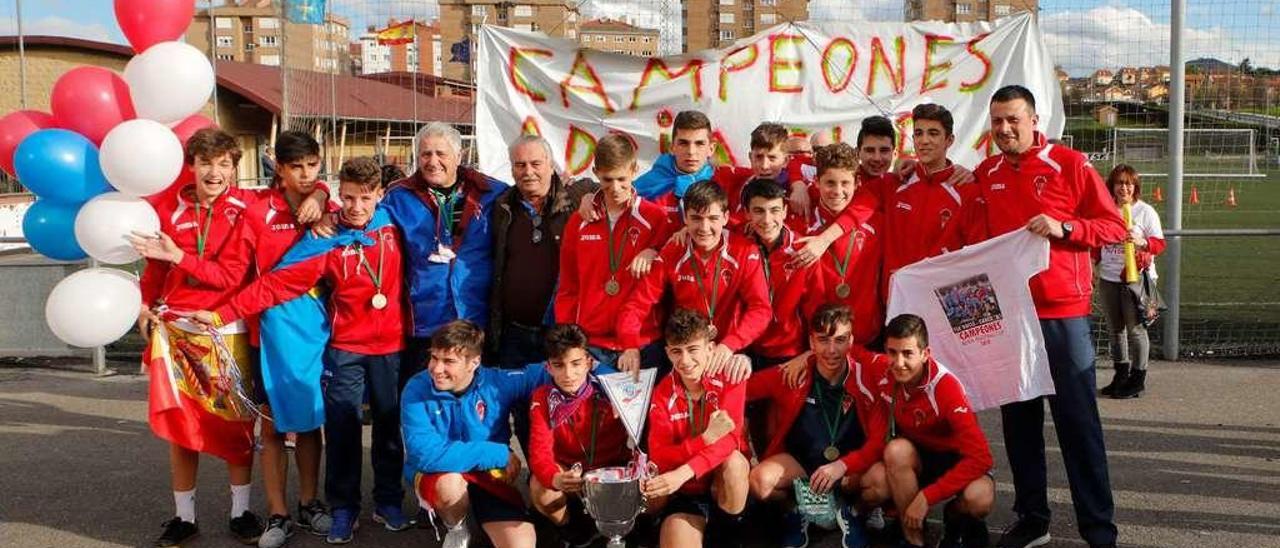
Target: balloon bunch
point(110, 143)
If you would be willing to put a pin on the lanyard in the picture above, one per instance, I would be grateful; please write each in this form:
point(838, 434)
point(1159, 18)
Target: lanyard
point(833, 425)
point(768, 265)
point(382, 253)
point(715, 286)
point(694, 418)
point(843, 266)
point(595, 423)
point(445, 204)
point(202, 234)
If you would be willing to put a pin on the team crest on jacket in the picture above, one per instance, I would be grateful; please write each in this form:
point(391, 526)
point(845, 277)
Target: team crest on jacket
point(633, 234)
point(231, 213)
point(919, 416)
point(859, 239)
point(1040, 181)
point(945, 215)
point(481, 408)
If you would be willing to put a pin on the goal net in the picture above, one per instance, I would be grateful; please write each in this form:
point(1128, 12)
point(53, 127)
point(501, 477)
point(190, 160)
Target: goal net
point(1206, 152)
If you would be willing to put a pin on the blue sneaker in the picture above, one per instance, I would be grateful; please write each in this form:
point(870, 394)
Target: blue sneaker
point(853, 535)
point(391, 517)
point(795, 532)
point(345, 523)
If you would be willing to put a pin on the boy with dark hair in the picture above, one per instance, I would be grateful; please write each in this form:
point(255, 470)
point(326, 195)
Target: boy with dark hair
point(937, 450)
point(850, 267)
point(574, 429)
point(673, 173)
point(717, 272)
point(265, 231)
point(828, 429)
point(696, 440)
point(361, 266)
point(792, 292)
point(601, 261)
point(768, 163)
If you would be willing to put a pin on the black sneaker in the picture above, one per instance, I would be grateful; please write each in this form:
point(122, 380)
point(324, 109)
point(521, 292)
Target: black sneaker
point(315, 518)
point(176, 532)
point(964, 532)
point(279, 529)
point(1025, 533)
point(246, 528)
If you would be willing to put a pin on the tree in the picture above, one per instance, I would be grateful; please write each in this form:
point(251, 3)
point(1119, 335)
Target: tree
point(1246, 67)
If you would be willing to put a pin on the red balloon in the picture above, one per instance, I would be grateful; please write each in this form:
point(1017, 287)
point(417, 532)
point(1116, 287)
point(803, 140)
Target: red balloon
point(149, 22)
point(90, 101)
point(15, 127)
point(186, 128)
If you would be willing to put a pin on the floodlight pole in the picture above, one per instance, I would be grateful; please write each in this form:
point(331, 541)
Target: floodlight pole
point(1177, 114)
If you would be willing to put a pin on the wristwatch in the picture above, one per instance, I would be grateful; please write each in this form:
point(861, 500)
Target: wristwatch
point(1067, 228)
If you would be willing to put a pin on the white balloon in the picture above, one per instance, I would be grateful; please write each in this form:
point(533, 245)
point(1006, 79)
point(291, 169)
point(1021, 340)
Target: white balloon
point(93, 307)
point(103, 224)
point(141, 157)
point(169, 81)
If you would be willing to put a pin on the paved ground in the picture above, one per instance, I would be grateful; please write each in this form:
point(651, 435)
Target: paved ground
point(1195, 462)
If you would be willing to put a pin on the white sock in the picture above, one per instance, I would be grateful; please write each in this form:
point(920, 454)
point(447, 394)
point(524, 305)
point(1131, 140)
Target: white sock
point(240, 499)
point(185, 503)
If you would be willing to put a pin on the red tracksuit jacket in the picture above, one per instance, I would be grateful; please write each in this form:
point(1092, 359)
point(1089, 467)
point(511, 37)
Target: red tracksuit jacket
point(161, 281)
point(672, 441)
point(552, 450)
point(584, 270)
point(917, 217)
point(794, 296)
point(862, 384)
point(862, 249)
point(936, 416)
point(742, 304)
point(357, 326)
point(1061, 183)
point(267, 230)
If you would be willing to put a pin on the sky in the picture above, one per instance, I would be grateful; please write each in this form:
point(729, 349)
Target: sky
point(1082, 34)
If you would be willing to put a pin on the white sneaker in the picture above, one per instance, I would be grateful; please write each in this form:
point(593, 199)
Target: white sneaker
point(458, 536)
point(875, 520)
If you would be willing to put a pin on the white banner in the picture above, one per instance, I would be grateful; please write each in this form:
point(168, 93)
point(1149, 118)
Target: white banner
point(630, 398)
point(808, 76)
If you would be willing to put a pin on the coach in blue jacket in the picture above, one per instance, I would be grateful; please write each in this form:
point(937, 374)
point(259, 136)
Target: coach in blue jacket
point(443, 212)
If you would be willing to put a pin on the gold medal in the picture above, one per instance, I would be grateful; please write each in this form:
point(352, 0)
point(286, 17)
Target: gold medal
point(842, 290)
point(379, 301)
point(612, 287)
point(712, 332)
point(831, 453)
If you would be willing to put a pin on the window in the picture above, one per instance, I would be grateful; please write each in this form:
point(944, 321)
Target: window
point(224, 23)
point(631, 39)
point(768, 18)
point(273, 60)
point(269, 41)
point(617, 39)
point(570, 34)
point(1002, 10)
point(225, 41)
point(726, 18)
point(268, 23)
point(726, 35)
point(477, 11)
point(963, 9)
point(726, 2)
point(524, 11)
point(648, 39)
point(226, 57)
point(768, 2)
point(523, 26)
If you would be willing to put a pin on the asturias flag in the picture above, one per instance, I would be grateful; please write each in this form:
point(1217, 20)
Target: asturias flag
point(399, 33)
point(309, 12)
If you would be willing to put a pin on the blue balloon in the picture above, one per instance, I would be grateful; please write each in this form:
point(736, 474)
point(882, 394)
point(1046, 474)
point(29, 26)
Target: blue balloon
point(50, 228)
point(60, 165)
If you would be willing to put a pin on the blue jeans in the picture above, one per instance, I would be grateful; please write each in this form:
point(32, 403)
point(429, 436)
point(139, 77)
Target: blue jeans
point(346, 375)
point(1075, 417)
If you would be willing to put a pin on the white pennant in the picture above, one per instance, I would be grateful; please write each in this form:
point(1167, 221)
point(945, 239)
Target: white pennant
point(630, 398)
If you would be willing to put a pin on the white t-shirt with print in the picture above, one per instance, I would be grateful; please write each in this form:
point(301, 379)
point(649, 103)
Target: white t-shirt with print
point(982, 320)
point(1146, 224)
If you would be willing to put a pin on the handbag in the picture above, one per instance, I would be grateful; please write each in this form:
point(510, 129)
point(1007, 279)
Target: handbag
point(1147, 298)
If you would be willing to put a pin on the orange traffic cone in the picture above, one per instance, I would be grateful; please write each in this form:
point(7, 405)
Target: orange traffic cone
point(1231, 197)
point(1195, 196)
point(1158, 196)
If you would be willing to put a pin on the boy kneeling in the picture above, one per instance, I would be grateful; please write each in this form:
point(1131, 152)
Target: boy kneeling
point(696, 439)
point(573, 429)
point(936, 450)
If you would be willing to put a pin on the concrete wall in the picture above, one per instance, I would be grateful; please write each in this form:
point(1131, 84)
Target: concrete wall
point(28, 279)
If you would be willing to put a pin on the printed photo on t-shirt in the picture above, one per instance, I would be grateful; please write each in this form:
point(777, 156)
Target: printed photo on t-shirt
point(969, 303)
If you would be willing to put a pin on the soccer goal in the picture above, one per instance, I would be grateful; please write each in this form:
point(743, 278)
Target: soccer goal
point(1206, 152)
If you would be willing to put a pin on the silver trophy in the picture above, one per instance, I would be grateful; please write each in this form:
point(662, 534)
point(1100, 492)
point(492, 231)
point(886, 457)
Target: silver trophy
point(612, 497)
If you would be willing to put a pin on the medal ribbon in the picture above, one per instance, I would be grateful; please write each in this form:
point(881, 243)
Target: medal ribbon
point(694, 418)
point(377, 278)
point(833, 426)
point(595, 424)
point(615, 260)
point(202, 234)
point(715, 286)
point(843, 266)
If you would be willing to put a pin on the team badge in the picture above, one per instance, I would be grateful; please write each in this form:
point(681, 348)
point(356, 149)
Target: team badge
point(1040, 181)
point(481, 409)
point(945, 214)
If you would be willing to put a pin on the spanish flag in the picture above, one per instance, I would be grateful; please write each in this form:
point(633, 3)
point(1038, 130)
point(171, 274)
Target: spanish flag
point(399, 33)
